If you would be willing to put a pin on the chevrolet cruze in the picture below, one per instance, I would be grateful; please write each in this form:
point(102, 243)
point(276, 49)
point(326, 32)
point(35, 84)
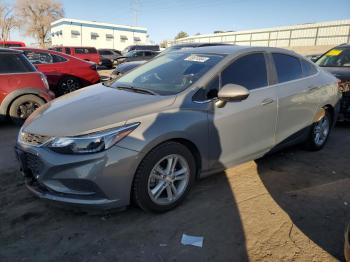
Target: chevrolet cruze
point(184, 115)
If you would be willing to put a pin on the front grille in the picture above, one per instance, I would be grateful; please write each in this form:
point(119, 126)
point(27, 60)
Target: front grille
point(33, 163)
point(32, 139)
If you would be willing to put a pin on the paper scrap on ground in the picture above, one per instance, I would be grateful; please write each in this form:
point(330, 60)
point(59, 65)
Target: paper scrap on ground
point(192, 240)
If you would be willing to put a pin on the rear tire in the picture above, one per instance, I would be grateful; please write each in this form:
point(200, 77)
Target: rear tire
point(319, 133)
point(158, 188)
point(23, 106)
point(68, 84)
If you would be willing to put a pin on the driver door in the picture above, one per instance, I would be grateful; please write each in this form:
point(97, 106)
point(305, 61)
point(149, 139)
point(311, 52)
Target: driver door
point(245, 130)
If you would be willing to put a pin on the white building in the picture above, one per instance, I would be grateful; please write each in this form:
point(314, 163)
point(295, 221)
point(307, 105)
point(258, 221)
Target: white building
point(73, 32)
point(304, 38)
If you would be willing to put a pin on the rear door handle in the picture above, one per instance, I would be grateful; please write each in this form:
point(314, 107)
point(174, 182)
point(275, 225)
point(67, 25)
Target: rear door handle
point(267, 101)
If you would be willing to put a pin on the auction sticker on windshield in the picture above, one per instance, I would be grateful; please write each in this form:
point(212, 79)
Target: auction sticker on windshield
point(334, 52)
point(197, 58)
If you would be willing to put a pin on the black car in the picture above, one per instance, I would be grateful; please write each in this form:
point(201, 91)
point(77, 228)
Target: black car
point(141, 47)
point(108, 57)
point(137, 55)
point(124, 68)
point(337, 62)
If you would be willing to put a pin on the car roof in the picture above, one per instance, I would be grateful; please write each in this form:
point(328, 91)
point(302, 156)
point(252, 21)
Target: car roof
point(346, 45)
point(232, 49)
point(198, 44)
point(9, 51)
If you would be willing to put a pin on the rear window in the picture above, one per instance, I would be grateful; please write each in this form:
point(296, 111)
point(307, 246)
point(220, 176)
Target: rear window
point(337, 57)
point(15, 63)
point(288, 67)
point(308, 68)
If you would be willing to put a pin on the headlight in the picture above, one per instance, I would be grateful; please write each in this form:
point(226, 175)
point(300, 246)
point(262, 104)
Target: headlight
point(91, 143)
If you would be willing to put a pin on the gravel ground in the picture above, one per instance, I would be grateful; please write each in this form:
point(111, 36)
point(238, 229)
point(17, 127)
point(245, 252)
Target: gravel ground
point(290, 206)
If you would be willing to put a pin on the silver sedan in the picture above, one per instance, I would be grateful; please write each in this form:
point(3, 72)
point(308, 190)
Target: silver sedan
point(149, 135)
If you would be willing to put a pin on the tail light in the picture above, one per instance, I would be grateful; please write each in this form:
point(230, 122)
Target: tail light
point(44, 79)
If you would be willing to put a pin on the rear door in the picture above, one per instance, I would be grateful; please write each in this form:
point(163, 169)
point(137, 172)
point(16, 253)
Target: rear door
point(297, 96)
point(244, 130)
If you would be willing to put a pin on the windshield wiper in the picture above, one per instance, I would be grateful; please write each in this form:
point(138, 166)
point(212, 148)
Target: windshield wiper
point(137, 90)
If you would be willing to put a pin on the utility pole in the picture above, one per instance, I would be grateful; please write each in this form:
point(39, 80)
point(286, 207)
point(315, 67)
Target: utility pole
point(135, 6)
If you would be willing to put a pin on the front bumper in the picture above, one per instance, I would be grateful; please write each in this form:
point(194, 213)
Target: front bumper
point(101, 180)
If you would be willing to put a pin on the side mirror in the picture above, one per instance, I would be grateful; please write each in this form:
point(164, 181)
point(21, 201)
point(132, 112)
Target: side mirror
point(231, 93)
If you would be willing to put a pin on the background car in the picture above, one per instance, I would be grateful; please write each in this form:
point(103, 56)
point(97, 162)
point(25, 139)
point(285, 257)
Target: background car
point(64, 73)
point(84, 53)
point(108, 57)
point(337, 62)
point(22, 88)
point(141, 47)
point(12, 44)
point(137, 55)
point(124, 68)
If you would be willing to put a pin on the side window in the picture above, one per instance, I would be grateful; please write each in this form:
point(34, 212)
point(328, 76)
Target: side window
point(147, 53)
point(58, 59)
point(91, 51)
point(308, 68)
point(288, 67)
point(67, 50)
point(38, 57)
point(248, 71)
point(208, 92)
point(79, 50)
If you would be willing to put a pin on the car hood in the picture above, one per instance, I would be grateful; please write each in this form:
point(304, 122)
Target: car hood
point(339, 72)
point(92, 109)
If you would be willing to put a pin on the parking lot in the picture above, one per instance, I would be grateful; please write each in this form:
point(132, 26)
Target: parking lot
point(290, 206)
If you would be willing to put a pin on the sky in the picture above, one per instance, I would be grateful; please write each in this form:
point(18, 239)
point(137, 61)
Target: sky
point(164, 19)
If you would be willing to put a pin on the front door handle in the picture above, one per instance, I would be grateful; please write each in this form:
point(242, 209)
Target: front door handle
point(312, 88)
point(267, 101)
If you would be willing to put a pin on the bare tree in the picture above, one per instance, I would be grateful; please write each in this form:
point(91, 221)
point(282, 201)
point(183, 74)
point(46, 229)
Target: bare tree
point(7, 21)
point(37, 16)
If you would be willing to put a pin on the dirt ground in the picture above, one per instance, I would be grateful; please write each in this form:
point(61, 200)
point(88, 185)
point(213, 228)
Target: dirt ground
point(290, 206)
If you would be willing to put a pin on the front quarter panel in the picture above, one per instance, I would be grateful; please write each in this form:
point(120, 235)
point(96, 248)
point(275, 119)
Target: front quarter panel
point(157, 128)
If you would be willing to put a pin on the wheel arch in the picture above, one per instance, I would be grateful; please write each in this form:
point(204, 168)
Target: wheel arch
point(11, 97)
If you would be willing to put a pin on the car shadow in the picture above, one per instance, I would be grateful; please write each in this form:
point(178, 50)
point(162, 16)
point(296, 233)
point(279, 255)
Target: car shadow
point(315, 196)
point(210, 210)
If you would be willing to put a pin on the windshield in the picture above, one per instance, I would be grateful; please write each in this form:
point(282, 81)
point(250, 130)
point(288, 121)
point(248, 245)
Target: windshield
point(338, 57)
point(170, 73)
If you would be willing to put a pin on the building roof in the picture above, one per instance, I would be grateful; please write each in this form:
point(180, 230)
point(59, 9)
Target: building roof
point(277, 28)
point(94, 24)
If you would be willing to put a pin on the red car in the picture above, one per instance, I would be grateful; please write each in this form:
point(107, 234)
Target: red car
point(12, 44)
point(84, 53)
point(63, 72)
point(22, 88)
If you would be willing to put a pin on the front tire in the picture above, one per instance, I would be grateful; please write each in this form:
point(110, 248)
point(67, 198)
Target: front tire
point(164, 177)
point(319, 133)
point(23, 106)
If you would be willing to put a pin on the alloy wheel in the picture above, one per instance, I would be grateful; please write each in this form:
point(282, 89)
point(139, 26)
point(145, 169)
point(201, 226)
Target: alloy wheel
point(27, 108)
point(168, 179)
point(321, 131)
